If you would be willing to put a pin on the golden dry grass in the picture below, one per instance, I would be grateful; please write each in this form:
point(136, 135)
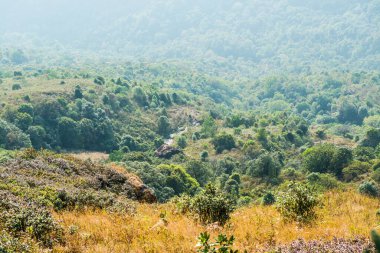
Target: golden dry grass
point(345, 214)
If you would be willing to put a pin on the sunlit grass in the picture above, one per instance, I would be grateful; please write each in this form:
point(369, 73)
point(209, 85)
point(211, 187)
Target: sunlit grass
point(344, 214)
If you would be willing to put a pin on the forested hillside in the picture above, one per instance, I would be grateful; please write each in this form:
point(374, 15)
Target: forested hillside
point(269, 35)
point(157, 126)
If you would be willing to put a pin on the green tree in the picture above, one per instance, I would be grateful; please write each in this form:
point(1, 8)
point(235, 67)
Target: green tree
point(209, 127)
point(223, 141)
point(264, 166)
point(181, 142)
point(78, 92)
point(326, 158)
point(199, 170)
point(37, 136)
point(139, 96)
point(23, 120)
point(68, 132)
point(163, 126)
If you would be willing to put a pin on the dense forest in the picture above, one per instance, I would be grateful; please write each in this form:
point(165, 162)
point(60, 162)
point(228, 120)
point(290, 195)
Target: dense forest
point(122, 122)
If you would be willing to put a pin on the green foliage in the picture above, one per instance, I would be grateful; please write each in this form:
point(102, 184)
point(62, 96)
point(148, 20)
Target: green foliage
point(164, 128)
point(210, 206)
point(265, 166)
point(99, 80)
point(78, 92)
point(369, 188)
point(178, 179)
point(23, 120)
point(181, 141)
point(16, 86)
point(349, 112)
point(209, 127)
point(298, 203)
point(222, 244)
point(364, 154)
point(68, 132)
point(376, 239)
point(268, 199)
point(37, 136)
point(139, 96)
point(12, 137)
point(326, 158)
point(204, 155)
point(199, 170)
point(372, 138)
point(355, 170)
point(223, 142)
point(322, 181)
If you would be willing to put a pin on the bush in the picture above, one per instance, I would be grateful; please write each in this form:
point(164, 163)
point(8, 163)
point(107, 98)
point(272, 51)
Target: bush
point(244, 201)
point(354, 170)
point(298, 203)
point(264, 166)
point(223, 141)
point(164, 128)
point(12, 137)
point(99, 80)
point(326, 158)
point(204, 155)
point(209, 206)
point(178, 179)
point(364, 154)
point(369, 188)
point(322, 181)
point(268, 199)
point(182, 143)
point(16, 86)
point(376, 176)
point(222, 244)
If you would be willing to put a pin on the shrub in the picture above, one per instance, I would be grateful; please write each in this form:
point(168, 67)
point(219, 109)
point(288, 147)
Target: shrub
point(210, 206)
point(12, 137)
point(140, 97)
point(298, 203)
point(322, 181)
point(204, 155)
point(268, 199)
point(16, 86)
point(9, 244)
point(369, 188)
point(164, 128)
point(264, 166)
point(244, 201)
point(178, 179)
point(182, 143)
point(223, 141)
point(354, 170)
point(209, 127)
point(364, 154)
point(376, 176)
point(372, 138)
point(99, 80)
point(326, 158)
point(222, 244)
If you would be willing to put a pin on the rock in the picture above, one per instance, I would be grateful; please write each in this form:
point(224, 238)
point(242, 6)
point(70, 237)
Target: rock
point(143, 192)
point(167, 151)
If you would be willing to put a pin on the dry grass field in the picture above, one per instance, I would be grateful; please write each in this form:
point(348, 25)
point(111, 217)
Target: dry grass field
point(344, 214)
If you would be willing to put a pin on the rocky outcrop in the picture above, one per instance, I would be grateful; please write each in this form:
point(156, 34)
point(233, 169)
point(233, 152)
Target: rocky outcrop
point(167, 151)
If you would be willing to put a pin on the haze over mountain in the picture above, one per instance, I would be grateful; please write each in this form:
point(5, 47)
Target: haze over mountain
point(265, 33)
